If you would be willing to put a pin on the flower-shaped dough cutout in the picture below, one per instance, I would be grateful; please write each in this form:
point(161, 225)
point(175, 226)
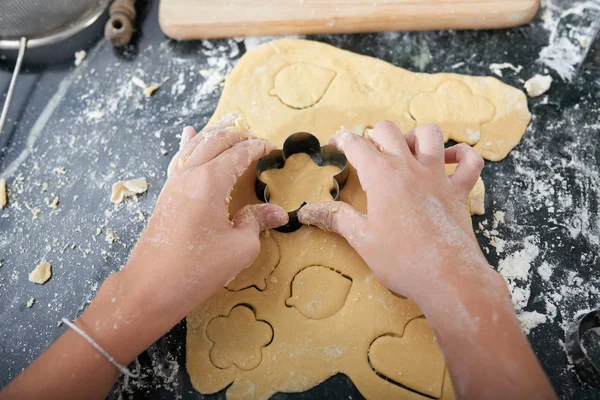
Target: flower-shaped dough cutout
point(238, 339)
point(319, 292)
point(300, 181)
point(257, 273)
point(413, 360)
point(302, 85)
point(455, 108)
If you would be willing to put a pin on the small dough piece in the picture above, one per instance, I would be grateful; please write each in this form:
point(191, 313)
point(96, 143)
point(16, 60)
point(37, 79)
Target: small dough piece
point(41, 274)
point(299, 181)
point(319, 292)
point(538, 85)
point(3, 198)
point(124, 189)
point(30, 302)
point(149, 90)
point(238, 339)
point(79, 57)
point(477, 198)
point(302, 85)
point(413, 360)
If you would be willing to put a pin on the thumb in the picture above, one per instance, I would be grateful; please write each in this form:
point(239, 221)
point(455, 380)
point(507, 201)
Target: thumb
point(260, 217)
point(334, 216)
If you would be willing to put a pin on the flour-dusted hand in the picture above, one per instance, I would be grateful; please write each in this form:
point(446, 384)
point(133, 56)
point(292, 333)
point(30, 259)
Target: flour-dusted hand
point(417, 227)
point(418, 239)
point(191, 228)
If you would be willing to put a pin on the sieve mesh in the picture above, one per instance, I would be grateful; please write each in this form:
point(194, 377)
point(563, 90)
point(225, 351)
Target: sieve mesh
point(41, 18)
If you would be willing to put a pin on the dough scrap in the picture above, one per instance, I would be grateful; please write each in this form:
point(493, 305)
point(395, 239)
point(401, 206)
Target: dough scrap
point(3, 199)
point(413, 360)
point(149, 90)
point(238, 339)
point(41, 274)
point(319, 292)
point(124, 189)
point(301, 180)
point(257, 273)
point(364, 91)
point(538, 85)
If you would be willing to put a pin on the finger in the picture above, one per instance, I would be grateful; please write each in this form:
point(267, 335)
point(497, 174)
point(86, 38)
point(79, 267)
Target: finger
point(335, 216)
point(389, 138)
point(260, 217)
point(225, 124)
point(215, 142)
point(359, 151)
point(427, 143)
point(470, 165)
point(233, 162)
point(188, 134)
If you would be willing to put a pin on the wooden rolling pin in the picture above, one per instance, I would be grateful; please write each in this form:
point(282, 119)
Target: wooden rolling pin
point(198, 19)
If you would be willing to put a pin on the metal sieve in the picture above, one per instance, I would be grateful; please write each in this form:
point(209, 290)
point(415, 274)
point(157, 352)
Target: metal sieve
point(34, 23)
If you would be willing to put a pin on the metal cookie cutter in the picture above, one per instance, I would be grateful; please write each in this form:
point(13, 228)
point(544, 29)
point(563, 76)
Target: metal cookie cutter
point(585, 367)
point(301, 142)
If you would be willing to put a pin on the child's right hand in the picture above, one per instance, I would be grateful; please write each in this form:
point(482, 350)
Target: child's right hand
point(417, 232)
point(418, 239)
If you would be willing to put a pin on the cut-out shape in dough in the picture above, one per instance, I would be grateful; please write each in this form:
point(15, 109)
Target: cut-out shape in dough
point(301, 180)
point(238, 339)
point(454, 106)
point(302, 85)
point(257, 273)
point(413, 360)
point(319, 292)
point(398, 295)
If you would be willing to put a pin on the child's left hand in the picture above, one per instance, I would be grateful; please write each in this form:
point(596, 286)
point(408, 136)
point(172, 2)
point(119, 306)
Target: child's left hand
point(191, 248)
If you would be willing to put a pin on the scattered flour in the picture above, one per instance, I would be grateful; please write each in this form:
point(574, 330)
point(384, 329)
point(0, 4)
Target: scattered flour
point(571, 33)
point(545, 271)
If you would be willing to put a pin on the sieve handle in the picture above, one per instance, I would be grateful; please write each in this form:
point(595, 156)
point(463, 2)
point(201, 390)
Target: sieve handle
point(13, 82)
point(119, 27)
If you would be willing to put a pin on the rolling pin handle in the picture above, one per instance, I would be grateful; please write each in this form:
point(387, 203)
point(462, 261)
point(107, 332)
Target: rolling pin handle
point(119, 27)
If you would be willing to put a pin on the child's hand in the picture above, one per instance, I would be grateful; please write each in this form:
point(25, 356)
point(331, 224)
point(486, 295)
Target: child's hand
point(418, 239)
point(191, 248)
point(418, 230)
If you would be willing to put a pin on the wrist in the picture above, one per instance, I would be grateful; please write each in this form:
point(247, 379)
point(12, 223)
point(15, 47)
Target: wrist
point(475, 283)
point(121, 320)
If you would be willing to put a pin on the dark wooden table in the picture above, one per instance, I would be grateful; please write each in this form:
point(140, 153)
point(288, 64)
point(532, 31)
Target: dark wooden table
point(77, 130)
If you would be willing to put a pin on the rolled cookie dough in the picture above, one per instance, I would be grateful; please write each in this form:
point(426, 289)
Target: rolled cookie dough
point(328, 312)
point(290, 85)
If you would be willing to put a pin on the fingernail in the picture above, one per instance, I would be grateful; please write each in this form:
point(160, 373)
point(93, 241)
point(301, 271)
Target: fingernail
point(186, 135)
point(304, 215)
point(277, 217)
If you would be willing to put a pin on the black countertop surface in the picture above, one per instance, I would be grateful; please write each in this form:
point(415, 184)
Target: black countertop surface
point(73, 131)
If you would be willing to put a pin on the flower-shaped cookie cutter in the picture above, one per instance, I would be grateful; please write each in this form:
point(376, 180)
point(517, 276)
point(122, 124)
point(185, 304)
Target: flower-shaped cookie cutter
point(301, 142)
